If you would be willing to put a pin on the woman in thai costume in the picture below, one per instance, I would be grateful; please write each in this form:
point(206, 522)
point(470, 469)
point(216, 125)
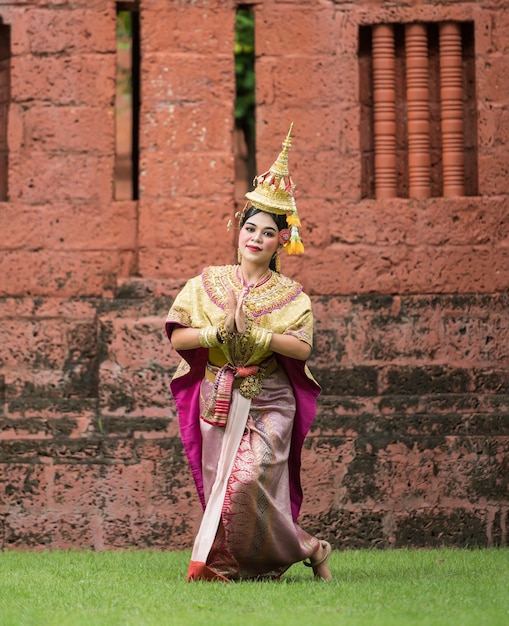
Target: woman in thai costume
point(245, 397)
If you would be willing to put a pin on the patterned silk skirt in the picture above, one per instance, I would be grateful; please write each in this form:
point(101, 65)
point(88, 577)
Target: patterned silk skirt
point(256, 537)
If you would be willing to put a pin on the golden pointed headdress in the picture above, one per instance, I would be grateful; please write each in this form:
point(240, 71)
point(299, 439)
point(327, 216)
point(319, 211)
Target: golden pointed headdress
point(274, 193)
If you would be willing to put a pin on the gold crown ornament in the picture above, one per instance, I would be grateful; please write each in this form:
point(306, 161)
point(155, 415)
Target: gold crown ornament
point(274, 193)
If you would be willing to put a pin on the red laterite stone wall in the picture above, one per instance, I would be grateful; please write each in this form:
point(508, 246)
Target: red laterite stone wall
point(411, 443)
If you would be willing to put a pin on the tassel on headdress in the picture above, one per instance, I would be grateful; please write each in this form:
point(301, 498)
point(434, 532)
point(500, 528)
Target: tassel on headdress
point(274, 193)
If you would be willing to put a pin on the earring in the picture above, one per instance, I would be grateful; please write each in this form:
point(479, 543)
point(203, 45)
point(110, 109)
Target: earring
point(239, 256)
point(277, 262)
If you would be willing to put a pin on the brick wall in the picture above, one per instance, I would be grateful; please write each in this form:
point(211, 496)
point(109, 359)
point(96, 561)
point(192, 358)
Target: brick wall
point(411, 443)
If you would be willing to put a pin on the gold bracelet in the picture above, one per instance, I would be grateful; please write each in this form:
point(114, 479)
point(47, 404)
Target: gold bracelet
point(261, 337)
point(208, 337)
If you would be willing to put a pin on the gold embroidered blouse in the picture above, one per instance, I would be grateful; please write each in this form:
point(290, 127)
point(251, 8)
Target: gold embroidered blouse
point(279, 304)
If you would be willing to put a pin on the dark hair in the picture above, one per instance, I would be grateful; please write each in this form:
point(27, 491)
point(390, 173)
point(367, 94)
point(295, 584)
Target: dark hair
point(280, 221)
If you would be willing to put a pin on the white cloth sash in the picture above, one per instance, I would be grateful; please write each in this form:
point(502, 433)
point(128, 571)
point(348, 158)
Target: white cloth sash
point(235, 425)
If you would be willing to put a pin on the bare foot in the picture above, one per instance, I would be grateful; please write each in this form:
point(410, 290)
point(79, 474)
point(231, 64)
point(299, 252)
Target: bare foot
point(320, 561)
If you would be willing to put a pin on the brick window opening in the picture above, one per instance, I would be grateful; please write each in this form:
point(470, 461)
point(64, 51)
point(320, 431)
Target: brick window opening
point(245, 146)
point(418, 110)
point(5, 98)
point(127, 102)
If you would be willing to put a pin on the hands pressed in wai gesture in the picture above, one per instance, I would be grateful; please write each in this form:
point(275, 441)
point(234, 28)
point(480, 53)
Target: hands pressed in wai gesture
point(235, 321)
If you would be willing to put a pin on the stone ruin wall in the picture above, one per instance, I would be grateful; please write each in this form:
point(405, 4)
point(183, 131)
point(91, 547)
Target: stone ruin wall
point(411, 443)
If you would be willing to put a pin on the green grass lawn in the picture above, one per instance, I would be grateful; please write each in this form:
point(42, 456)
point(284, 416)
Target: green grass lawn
point(396, 587)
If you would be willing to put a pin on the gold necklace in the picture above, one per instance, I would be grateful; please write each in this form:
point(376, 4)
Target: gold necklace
point(261, 281)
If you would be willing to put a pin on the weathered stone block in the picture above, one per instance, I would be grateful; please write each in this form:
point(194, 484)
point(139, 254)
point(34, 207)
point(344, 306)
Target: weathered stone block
point(311, 31)
point(83, 79)
point(71, 177)
point(449, 527)
point(163, 177)
point(352, 530)
point(162, 263)
point(182, 127)
point(70, 129)
point(81, 30)
point(357, 381)
point(163, 221)
point(493, 171)
point(170, 78)
point(62, 273)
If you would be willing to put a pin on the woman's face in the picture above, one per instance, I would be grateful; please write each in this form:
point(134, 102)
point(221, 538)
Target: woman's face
point(259, 239)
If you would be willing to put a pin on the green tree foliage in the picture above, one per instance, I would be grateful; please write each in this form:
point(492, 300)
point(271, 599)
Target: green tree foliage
point(244, 71)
